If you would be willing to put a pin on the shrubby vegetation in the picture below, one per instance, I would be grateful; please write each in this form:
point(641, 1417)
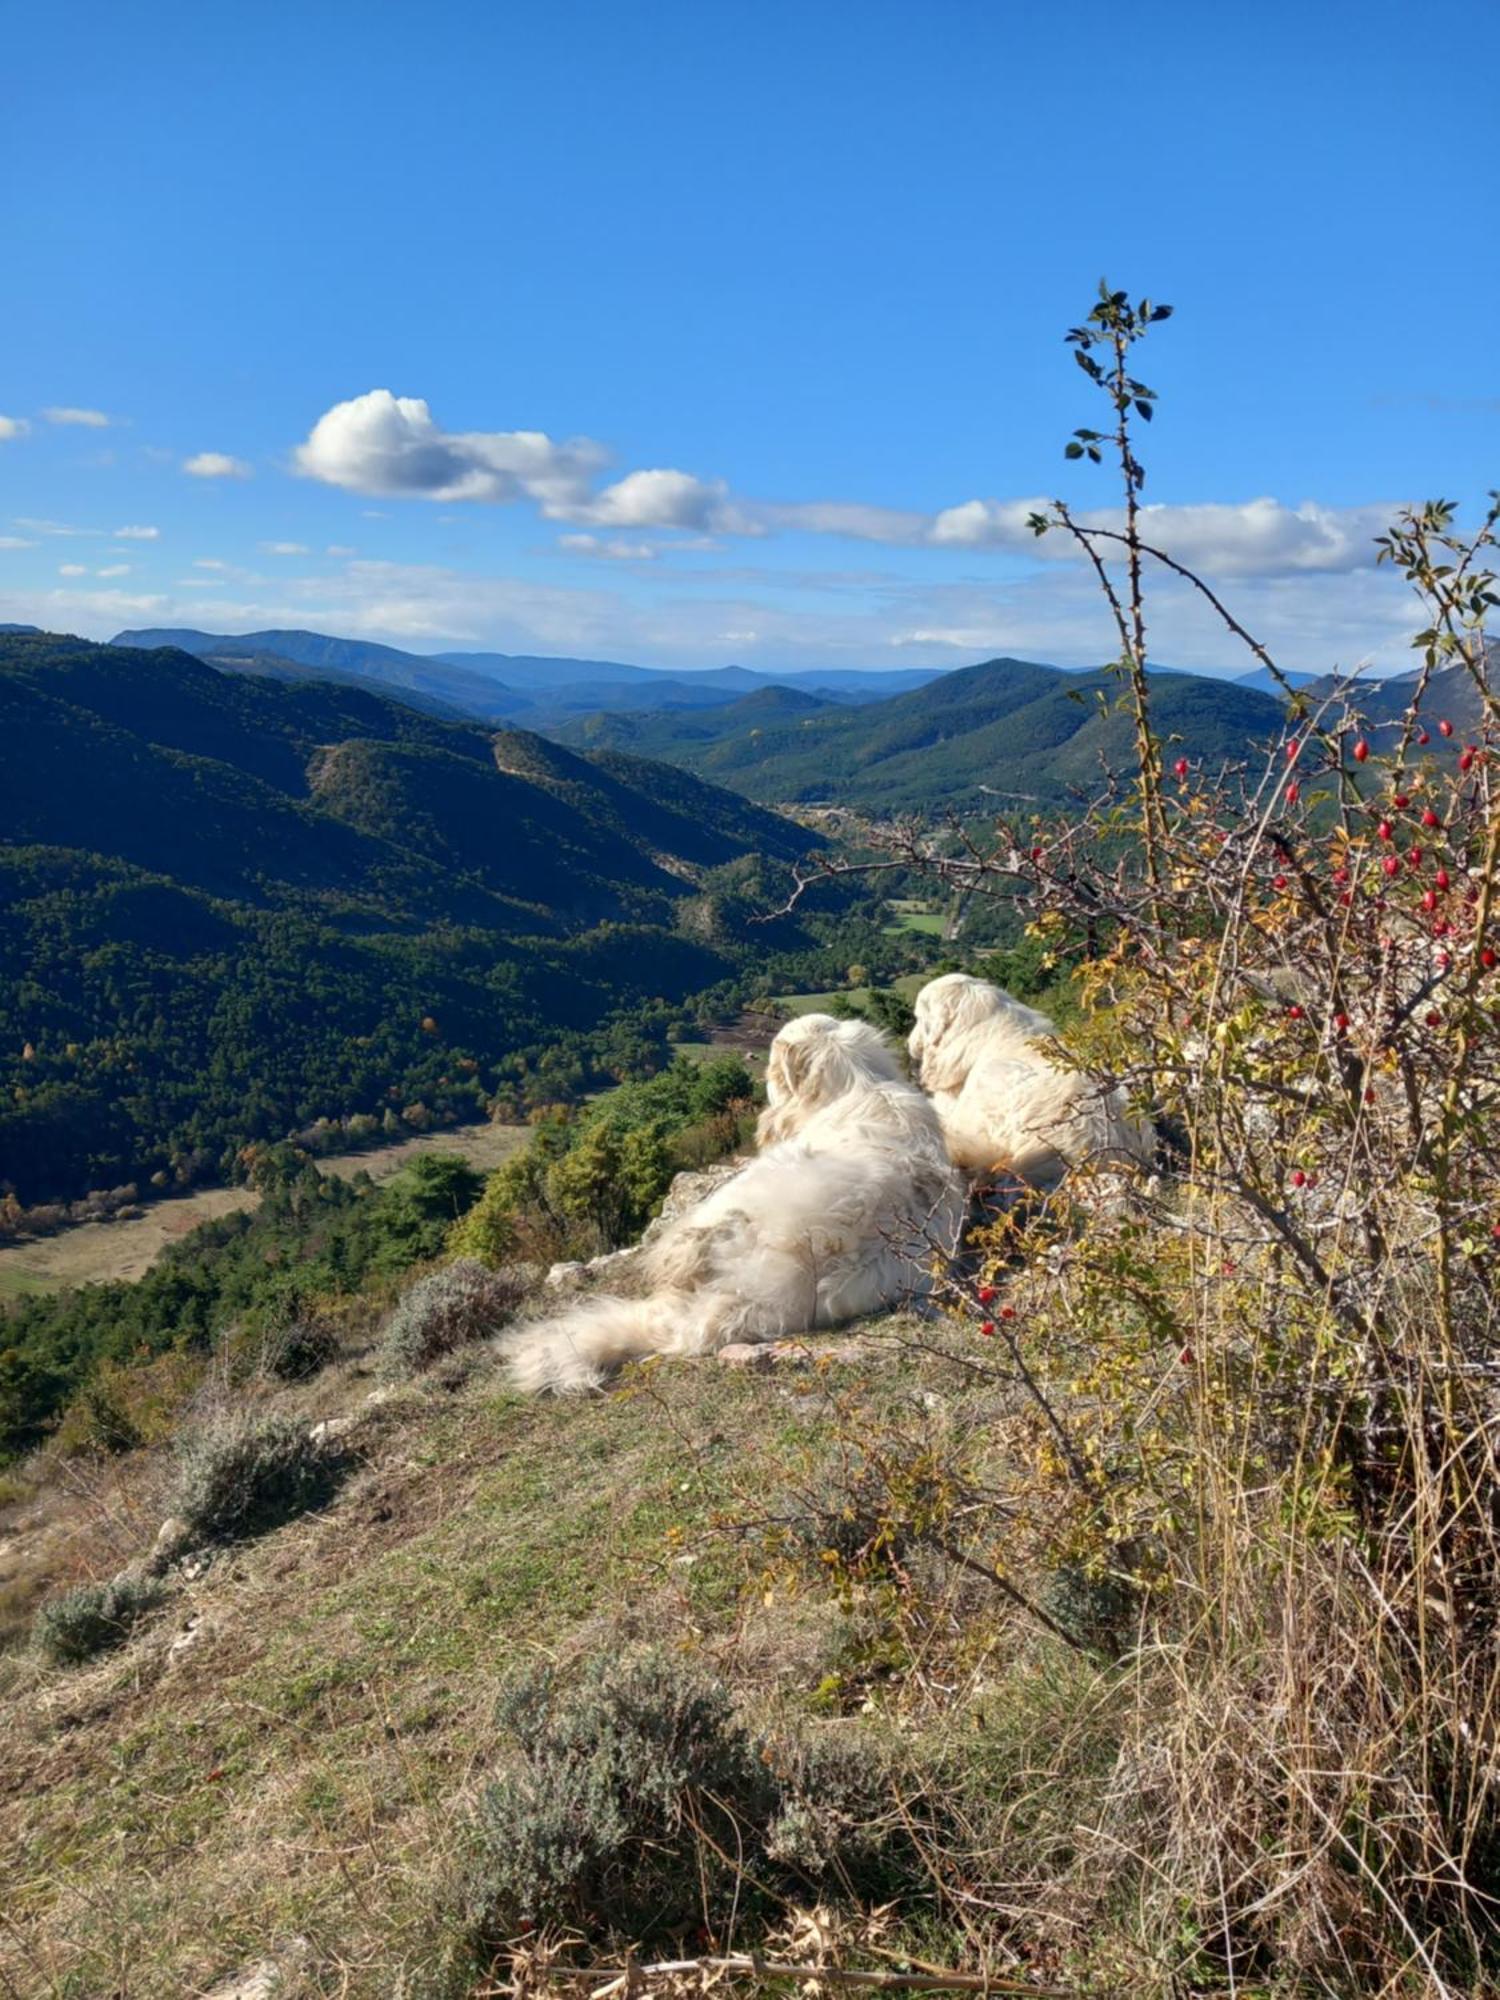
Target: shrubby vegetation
point(244, 1472)
point(447, 1309)
point(636, 1806)
point(92, 1618)
point(299, 1342)
point(244, 1279)
point(1241, 1456)
point(255, 1280)
point(592, 1183)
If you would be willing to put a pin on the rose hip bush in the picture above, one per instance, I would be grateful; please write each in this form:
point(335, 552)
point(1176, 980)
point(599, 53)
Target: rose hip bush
point(1256, 1396)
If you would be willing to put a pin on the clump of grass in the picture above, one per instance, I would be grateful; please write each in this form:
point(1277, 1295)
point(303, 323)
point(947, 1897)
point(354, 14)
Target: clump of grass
point(636, 1804)
point(447, 1309)
point(243, 1474)
point(92, 1618)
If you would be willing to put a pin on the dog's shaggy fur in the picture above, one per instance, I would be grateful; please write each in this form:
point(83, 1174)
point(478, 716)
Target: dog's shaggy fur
point(827, 1222)
point(1007, 1109)
point(813, 1062)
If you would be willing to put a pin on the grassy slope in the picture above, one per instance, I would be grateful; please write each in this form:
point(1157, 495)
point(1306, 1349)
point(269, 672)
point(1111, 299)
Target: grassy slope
point(908, 986)
point(333, 1720)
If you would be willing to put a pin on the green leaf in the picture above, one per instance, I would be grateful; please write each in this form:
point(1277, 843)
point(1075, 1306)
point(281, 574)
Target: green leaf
point(1144, 409)
point(1072, 450)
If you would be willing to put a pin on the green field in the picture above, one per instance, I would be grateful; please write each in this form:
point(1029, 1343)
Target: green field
point(910, 985)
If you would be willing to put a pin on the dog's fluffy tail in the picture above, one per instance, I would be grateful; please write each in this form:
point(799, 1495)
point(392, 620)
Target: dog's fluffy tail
point(580, 1349)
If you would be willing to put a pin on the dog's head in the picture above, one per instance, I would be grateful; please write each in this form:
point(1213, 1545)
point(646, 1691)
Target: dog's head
point(813, 1061)
point(953, 1015)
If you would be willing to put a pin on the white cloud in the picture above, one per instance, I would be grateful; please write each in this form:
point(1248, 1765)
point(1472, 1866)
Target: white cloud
point(67, 528)
point(285, 549)
point(13, 427)
point(1253, 538)
point(984, 524)
point(1263, 538)
point(609, 551)
point(208, 562)
point(93, 420)
point(384, 444)
point(338, 549)
point(663, 498)
point(15, 542)
point(849, 518)
point(92, 613)
point(216, 465)
point(72, 569)
point(114, 569)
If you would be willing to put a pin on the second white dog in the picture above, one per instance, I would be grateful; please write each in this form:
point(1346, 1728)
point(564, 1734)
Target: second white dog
point(827, 1222)
point(1006, 1107)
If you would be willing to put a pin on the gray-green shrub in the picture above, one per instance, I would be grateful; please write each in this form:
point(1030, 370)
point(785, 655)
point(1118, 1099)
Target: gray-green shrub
point(447, 1309)
point(635, 1803)
point(245, 1473)
point(91, 1618)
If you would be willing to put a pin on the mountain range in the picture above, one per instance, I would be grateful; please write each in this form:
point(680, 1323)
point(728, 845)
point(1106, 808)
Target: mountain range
point(231, 904)
point(500, 687)
point(245, 890)
point(1005, 726)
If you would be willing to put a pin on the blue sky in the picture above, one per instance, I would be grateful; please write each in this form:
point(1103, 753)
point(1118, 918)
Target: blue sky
point(691, 333)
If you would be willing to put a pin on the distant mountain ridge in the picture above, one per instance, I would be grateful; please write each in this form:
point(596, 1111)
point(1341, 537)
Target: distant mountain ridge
point(498, 687)
point(907, 739)
point(278, 654)
point(531, 670)
point(1005, 726)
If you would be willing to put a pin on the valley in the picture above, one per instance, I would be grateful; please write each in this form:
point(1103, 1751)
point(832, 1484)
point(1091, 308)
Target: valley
point(234, 907)
point(95, 1253)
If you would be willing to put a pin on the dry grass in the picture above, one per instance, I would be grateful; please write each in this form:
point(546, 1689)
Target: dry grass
point(333, 1715)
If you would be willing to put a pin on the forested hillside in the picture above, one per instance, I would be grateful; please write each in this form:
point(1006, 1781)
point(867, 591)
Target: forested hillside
point(1004, 726)
point(232, 906)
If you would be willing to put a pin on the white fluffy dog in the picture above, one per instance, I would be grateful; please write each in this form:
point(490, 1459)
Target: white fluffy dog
point(1005, 1105)
point(827, 1222)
